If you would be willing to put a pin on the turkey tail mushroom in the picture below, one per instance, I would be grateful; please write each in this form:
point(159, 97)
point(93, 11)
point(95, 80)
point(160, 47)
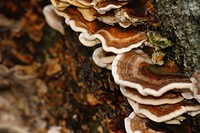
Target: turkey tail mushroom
point(133, 69)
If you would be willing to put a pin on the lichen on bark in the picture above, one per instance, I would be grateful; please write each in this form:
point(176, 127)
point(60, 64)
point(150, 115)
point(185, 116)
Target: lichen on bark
point(180, 21)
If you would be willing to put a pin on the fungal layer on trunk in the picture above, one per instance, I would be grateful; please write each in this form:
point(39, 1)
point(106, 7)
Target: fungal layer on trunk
point(59, 5)
point(103, 59)
point(135, 70)
point(155, 92)
point(114, 39)
point(53, 20)
point(163, 113)
point(167, 98)
point(117, 25)
point(135, 124)
point(103, 6)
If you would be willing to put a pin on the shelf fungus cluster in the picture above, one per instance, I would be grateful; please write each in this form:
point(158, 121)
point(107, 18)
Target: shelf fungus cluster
point(114, 24)
point(153, 92)
point(154, 88)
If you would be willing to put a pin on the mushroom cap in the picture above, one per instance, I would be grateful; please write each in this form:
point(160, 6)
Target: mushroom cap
point(184, 127)
point(138, 12)
point(103, 6)
point(111, 17)
point(87, 40)
point(162, 113)
point(187, 94)
point(85, 2)
point(176, 120)
point(129, 13)
point(113, 38)
point(167, 98)
point(102, 58)
point(135, 124)
point(195, 87)
point(135, 70)
point(52, 19)
point(75, 3)
point(59, 5)
point(89, 14)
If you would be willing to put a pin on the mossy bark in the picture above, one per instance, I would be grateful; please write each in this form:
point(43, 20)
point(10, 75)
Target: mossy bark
point(180, 21)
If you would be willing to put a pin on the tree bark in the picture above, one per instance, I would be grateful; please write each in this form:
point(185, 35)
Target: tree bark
point(180, 21)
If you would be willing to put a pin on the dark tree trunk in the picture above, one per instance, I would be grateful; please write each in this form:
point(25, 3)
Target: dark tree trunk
point(180, 21)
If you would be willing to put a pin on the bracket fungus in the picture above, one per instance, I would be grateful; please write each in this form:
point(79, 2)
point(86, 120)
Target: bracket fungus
point(162, 113)
point(103, 6)
point(133, 13)
point(147, 87)
point(176, 121)
point(135, 124)
point(88, 14)
point(53, 20)
point(132, 69)
point(59, 5)
point(114, 39)
point(155, 93)
point(103, 59)
point(75, 3)
point(97, 22)
point(86, 2)
point(139, 12)
point(167, 98)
